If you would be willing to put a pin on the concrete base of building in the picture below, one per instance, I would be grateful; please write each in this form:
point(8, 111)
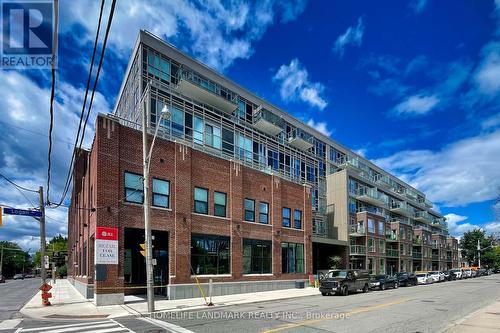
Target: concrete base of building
point(181, 291)
point(109, 299)
point(87, 290)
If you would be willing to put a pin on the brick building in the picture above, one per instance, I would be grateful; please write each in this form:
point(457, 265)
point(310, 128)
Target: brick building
point(258, 225)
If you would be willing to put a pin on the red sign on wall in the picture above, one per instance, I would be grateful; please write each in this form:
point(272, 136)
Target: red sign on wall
point(106, 233)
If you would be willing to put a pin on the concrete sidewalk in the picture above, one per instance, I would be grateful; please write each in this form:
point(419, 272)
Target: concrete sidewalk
point(68, 303)
point(484, 320)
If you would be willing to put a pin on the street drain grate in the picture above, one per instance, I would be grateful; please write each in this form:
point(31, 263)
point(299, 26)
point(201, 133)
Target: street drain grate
point(428, 301)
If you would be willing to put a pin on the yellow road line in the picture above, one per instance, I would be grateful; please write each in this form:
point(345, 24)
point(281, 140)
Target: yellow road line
point(355, 311)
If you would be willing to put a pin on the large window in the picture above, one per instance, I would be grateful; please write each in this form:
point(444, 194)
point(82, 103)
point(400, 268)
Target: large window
point(297, 219)
point(381, 228)
point(256, 256)
point(371, 226)
point(134, 188)
point(200, 200)
point(213, 137)
point(250, 210)
point(198, 134)
point(371, 245)
point(286, 217)
point(220, 204)
point(244, 148)
point(292, 258)
point(210, 254)
point(263, 212)
point(161, 193)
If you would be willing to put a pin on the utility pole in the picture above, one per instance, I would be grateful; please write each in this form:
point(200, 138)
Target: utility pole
point(478, 254)
point(147, 225)
point(1, 261)
point(42, 235)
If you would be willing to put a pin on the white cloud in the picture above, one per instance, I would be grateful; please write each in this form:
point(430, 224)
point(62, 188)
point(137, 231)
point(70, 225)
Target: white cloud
point(320, 126)
point(461, 173)
point(295, 85)
point(455, 225)
point(214, 31)
point(416, 105)
point(361, 151)
point(418, 6)
point(353, 35)
point(23, 148)
point(492, 227)
point(487, 76)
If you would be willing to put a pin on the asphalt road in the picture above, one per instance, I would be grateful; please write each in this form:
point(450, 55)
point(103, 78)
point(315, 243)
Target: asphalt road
point(430, 308)
point(14, 294)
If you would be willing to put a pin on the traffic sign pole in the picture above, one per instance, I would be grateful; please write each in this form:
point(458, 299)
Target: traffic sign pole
point(43, 270)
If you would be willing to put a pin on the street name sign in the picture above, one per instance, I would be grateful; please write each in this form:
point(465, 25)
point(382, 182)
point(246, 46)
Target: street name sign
point(23, 212)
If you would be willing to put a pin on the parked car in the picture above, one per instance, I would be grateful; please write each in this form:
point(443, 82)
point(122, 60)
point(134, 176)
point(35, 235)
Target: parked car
point(481, 272)
point(466, 273)
point(435, 276)
point(473, 273)
point(496, 270)
point(449, 275)
point(29, 276)
point(2, 279)
point(406, 279)
point(382, 282)
point(18, 277)
point(442, 278)
point(344, 281)
point(457, 272)
point(424, 278)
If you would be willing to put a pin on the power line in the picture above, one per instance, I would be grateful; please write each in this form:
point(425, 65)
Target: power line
point(52, 92)
point(103, 49)
point(17, 186)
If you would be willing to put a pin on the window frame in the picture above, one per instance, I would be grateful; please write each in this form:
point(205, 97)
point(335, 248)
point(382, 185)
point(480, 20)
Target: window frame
point(266, 214)
point(283, 218)
point(216, 205)
point(249, 211)
point(295, 219)
point(251, 257)
point(286, 260)
point(135, 190)
point(153, 193)
point(195, 201)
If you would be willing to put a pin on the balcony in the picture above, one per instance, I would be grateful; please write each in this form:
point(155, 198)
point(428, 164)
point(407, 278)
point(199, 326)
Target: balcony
point(267, 122)
point(300, 140)
point(384, 181)
point(391, 237)
point(435, 257)
point(411, 195)
point(357, 230)
point(448, 259)
point(440, 223)
point(423, 216)
point(359, 250)
point(401, 208)
point(350, 163)
point(417, 255)
point(206, 92)
point(392, 253)
point(428, 204)
point(372, 210)
point(371, 196)
point(402, 220)
point(435, 246)
point(417, 242)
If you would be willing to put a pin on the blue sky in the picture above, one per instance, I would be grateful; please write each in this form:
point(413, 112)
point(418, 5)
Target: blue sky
point(412, 85)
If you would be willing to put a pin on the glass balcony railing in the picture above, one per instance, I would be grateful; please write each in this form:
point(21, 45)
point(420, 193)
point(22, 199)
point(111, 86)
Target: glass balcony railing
point(300, 139)
point(392, 253)
point(372, 196)
point(391, 237)
point(435, 257)
point(357, 250)
point(401, 208)
point(356, 229)
point(372, 210)
point(268, 122)
point(423, 216)
point(417, 255)
point(417, 241)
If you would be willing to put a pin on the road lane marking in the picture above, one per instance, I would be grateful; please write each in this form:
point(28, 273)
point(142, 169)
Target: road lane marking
point(63, 326)
point(354, 311)
point(9, 324)
point(168, 326)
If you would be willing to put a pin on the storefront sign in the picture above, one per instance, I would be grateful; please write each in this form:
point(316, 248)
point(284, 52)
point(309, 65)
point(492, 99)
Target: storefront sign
point(106, 246)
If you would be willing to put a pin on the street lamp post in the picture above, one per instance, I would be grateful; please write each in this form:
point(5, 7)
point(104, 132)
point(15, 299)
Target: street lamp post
point(146, 205)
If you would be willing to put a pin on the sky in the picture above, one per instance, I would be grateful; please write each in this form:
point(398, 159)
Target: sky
point(413, 86)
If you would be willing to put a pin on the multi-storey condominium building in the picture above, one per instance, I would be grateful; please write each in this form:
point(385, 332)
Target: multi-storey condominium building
point(242, 191)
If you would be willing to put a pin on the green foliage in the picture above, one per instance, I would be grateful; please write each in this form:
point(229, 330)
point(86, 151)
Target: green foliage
point(14, 259)
point(469, 247)
point(335, 261)
point(57, 245)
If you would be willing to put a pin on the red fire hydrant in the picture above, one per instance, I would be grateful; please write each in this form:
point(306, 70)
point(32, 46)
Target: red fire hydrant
point(45, 293)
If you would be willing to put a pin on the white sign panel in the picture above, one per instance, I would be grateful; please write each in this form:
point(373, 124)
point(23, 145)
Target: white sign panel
point(106, 252)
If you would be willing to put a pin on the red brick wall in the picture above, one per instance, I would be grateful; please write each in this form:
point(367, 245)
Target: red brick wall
point(118, 149)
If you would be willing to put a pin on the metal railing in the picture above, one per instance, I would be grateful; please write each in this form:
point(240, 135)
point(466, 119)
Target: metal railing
point(357, 249)
point(357, 229)
point(392, 253)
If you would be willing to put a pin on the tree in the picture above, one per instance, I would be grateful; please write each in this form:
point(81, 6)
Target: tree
point(468, 245)
point(334, 261)
point(57, 248)
point(15, 259)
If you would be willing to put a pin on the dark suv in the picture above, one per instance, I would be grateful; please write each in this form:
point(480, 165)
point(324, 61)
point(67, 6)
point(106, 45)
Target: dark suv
point(406, 279)
point(344, 281)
